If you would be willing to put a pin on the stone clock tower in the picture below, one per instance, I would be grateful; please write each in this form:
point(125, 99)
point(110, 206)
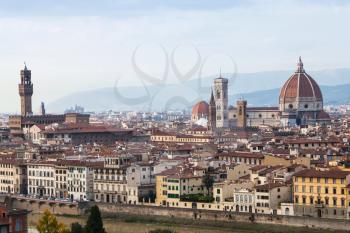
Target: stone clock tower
point(26, 91)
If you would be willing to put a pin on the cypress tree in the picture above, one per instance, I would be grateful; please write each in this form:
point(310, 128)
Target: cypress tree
point(94, 223)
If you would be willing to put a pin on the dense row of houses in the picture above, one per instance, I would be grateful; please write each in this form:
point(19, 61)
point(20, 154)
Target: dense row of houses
point(111, 179)
point(238, 185)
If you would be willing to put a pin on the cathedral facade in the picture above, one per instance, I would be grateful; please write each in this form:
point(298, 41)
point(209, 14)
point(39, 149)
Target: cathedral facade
point(300, 103)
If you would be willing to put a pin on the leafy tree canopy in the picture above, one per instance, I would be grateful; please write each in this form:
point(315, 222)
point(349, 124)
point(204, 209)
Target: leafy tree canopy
point(49, 224)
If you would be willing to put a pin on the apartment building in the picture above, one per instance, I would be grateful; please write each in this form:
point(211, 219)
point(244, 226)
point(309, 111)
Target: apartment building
point(238, 157)
point(160, 136)
point(109, 180)
point(140, 183)
point(244, 200)
point(61, 173)
point(80, 179)
point(268, 197)
point(172, 184)
point(13, 177)
point(322, 194)
point(41, 179)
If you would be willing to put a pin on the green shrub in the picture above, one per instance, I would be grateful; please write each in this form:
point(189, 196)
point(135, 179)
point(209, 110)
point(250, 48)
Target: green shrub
point(197, 198)
point(161, 231)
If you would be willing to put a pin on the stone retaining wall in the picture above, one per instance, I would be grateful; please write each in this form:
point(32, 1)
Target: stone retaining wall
point(114, 209)
point(225, 216)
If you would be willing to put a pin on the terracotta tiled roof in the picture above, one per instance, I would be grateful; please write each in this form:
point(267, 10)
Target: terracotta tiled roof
point(323, 115)
point(85, 129)
point(242, 154)
point(257, 168)
point(322, 174)
point(269, 186)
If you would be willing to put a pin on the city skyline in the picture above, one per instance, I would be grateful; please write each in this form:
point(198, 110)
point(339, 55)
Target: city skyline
point(174, 116)
point(80, 46)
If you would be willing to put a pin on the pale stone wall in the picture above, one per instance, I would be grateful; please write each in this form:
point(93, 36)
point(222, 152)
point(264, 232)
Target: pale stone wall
point(226, 216)
point(194, 214)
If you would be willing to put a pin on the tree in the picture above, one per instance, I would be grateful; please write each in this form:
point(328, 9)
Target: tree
point(208, 182)
point(49, 224)
point(76, 228)
point(94, 223)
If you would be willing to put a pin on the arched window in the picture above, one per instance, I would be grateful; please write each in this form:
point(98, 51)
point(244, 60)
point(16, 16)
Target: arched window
point(218, 94)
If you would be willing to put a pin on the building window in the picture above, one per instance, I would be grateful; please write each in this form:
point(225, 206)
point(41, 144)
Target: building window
point(18, 225)
point(318, 189)
point(4, 229)
point(303, 189)
point(311, 189)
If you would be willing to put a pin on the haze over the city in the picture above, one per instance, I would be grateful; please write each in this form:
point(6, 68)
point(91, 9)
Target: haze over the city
point(82, 45)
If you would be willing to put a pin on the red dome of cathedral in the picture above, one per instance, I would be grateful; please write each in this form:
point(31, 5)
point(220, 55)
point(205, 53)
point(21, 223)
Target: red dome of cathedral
point(300, 86)
point(200, 109)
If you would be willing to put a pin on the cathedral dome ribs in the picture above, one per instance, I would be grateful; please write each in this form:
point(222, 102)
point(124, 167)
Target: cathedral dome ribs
point(201, 108)
point(300, 92)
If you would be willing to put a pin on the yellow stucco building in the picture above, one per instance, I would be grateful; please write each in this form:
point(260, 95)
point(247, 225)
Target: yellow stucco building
point(321, 193)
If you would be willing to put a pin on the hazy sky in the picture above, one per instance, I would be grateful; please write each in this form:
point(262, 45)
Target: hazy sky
point(86, 44)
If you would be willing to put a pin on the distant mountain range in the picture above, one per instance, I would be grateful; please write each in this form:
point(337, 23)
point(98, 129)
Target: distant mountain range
point(259, 89)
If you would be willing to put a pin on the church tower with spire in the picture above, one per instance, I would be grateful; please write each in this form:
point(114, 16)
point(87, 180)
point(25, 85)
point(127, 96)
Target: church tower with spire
point(212, 113)
point(26, 91)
